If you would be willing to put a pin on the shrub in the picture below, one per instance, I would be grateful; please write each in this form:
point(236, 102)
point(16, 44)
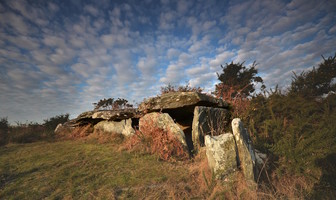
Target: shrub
point(112, 104)
point(4, 130)
point(182, 88)
point(27, 133)
point(51, 123)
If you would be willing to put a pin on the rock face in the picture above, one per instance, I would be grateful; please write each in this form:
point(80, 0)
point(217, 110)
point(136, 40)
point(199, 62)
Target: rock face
point(162, 121)
point(175, 100)
point(208, 121)
point(111, 115)
point(246, 154)
point(221, 154)
point(66, 127)
point(123, 127)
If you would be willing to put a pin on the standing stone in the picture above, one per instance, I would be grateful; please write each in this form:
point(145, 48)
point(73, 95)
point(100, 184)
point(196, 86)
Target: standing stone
point(165, 122)
point(208, 121)
point(246, 154)
point(221, 154)
point(123, 127)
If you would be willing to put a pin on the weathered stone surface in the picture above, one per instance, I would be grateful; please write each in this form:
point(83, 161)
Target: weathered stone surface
point(176, 100)
point(110, 115)
point(208, 121)
point(123, 127)
point(66, 127)
point(221, 154)
point(162, 121)
point(246, 154)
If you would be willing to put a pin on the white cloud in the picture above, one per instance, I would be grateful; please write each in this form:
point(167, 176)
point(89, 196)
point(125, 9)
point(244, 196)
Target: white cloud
point(92, 10)
point(222, 58)
point(67, 60)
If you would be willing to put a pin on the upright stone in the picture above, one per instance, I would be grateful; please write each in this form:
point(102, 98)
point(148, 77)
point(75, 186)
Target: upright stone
point(246, 154)
point(165, 122)
point(221, 154)
point(123, 127)
point(208, 121)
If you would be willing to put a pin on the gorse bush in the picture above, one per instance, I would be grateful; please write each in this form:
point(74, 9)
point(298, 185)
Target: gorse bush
point(297, 127)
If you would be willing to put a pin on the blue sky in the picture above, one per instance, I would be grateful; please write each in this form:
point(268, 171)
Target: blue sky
point(61, 56)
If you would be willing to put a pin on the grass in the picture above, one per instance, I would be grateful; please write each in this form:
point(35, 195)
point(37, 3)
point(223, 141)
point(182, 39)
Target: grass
point(83, 169)
point(89, 169)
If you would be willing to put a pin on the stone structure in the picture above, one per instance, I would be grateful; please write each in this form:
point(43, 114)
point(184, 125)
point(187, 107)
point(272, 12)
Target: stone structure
point(195, 119)
point(110, 115)
point(246, 154)
point(177, 100)
point(208, 121)
point(123, 127)
point(165, 122)
point(221, 154)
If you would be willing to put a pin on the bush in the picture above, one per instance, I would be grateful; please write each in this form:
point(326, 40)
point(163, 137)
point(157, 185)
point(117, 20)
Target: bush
point(4, 130)
point(182, 88)
point(51, 124)
point(27, 133)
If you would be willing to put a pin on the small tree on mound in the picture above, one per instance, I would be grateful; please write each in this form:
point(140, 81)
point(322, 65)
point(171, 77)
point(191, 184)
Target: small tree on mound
point(237, 83)
point(112, 104)
point(182, 88)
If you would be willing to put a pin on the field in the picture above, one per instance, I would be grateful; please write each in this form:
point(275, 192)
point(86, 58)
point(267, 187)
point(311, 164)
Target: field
point(87, 170)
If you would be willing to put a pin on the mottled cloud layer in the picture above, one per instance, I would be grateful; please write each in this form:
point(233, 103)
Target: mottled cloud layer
point(60, 57)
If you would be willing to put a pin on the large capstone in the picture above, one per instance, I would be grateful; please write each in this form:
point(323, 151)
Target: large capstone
point(246, 153)
point(123, 127)
point(208, 121)
point(164, 122)
point(174, 100)
point(221, 154)
point(94, 117)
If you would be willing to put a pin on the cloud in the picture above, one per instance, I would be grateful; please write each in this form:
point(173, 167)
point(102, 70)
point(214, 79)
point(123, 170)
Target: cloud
point(92, 10)
point(57, 58)
point(222, 58)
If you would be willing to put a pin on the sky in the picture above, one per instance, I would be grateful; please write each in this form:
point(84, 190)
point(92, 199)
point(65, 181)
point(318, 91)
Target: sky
point(59, 57)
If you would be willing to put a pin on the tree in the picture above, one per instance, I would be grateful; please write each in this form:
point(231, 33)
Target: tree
point(316, 82)
point(237, 81)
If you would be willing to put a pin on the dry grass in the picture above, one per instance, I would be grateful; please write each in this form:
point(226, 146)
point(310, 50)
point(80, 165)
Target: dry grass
point(239, 103)
point(199, 180)
point(156, 140)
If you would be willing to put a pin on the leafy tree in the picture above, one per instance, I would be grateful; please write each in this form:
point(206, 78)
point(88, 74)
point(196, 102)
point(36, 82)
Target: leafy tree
point(236, 80)
point(237, 84)
point(315, 83)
